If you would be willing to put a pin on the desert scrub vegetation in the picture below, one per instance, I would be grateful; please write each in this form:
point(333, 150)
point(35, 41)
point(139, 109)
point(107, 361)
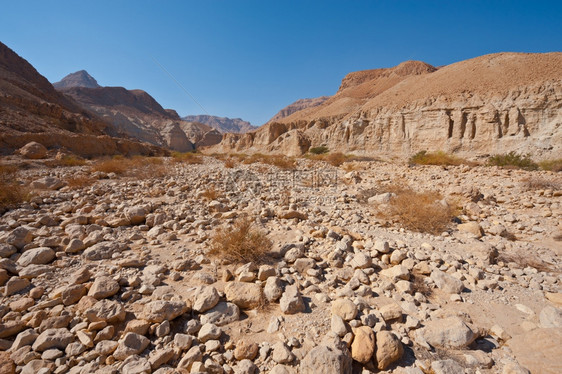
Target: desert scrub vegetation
point(419, 211)
point(513, 160)
point(241, 242)
point(211, 193)
point(539, 183)
point(11, 192)
point(190, 158)
point(137, 166)
point(280, 161)
point(551, 165)
point(435, 158)
point(79, 181)
point(318, 150)
point(67, 160)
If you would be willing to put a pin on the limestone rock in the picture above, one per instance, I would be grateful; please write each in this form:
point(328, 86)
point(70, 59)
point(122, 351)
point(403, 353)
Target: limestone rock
point(291, 302)
point(107, 311)
point(130, 344)
point(344, 308)
point(221, 314)
point(53, 338)
point(447, 282)
point(33, 151)
point(326, 359)
point(451, 333)
point(363, 345)
point(41, 255)
point(245, 295)
point(103, 287)
point(551, 317)
point(389, 349)
point(160, 310)
point(206, 297)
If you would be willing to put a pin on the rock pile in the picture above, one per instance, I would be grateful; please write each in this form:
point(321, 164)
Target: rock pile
point(115, 277)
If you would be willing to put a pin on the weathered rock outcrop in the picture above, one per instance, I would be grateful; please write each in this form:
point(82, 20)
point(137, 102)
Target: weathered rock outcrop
point(490, 104)
point(222, 124)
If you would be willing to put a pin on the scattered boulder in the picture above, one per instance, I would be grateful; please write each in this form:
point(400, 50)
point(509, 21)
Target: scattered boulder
point(363, 345)
point(33, 151)
point(389, 349)
point(449, 332)
point(326, 359)
point(291, 302)
point(245, 295)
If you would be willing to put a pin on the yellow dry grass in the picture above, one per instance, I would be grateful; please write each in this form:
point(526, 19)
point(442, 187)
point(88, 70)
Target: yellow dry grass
point(242, 242)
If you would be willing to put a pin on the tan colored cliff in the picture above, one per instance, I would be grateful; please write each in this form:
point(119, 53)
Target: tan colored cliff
point(490, 104)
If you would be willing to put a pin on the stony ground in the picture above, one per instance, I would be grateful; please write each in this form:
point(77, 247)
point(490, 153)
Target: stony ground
point(115, 276)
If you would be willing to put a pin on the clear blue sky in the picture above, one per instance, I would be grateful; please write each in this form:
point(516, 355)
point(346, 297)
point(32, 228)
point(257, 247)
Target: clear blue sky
point(249, 59)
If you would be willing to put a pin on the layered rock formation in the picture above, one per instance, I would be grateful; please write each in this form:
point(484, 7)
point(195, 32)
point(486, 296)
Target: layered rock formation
point(32, 110)
point(491, 104)
point(222, 124)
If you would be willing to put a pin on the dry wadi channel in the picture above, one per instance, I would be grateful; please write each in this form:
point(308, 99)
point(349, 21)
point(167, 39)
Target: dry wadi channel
point(220, 266)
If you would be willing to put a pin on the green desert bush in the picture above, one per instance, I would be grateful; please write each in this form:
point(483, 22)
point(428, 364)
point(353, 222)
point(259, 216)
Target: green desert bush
point(435, 158)
point(552, 165)
point(513, 160)
point(318, 150)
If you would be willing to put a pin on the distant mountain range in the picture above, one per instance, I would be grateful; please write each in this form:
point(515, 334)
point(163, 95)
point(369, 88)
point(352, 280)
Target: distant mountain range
point(223, 124)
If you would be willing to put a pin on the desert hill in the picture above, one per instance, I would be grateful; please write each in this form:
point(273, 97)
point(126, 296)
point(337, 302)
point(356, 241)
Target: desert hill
point(78, 79)
point(495, 103)
point(298, 105)
point(32, 110)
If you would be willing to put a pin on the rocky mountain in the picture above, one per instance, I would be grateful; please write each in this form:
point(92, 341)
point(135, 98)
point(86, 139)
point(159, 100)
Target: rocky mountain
point(79, 79)
point(139, 115)
point(222, 124)
point(490, 104)
point(32, 110)
point(298, 105)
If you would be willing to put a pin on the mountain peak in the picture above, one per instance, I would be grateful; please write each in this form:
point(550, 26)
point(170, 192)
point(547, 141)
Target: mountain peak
point(80, 78)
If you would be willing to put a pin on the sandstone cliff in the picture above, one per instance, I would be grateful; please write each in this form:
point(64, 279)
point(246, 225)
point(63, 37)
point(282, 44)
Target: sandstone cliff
point(490, 104)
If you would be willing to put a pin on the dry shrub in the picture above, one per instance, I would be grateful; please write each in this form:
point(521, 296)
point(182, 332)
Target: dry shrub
point(419, 211)
point(11, 193)
point(79, 181)
point(137, 166)
point(419, 285)
point(527, 260)
point(67, 160)
point(435, 158)
point(229, 163)
point(187, 158)
point(241, 242)
point(282, 162)
point(538, 183)
point(557, 237)
point(211, 193)
point(552, 165)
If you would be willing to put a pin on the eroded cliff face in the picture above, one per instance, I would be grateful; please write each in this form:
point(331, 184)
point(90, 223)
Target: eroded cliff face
point(500, 108)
